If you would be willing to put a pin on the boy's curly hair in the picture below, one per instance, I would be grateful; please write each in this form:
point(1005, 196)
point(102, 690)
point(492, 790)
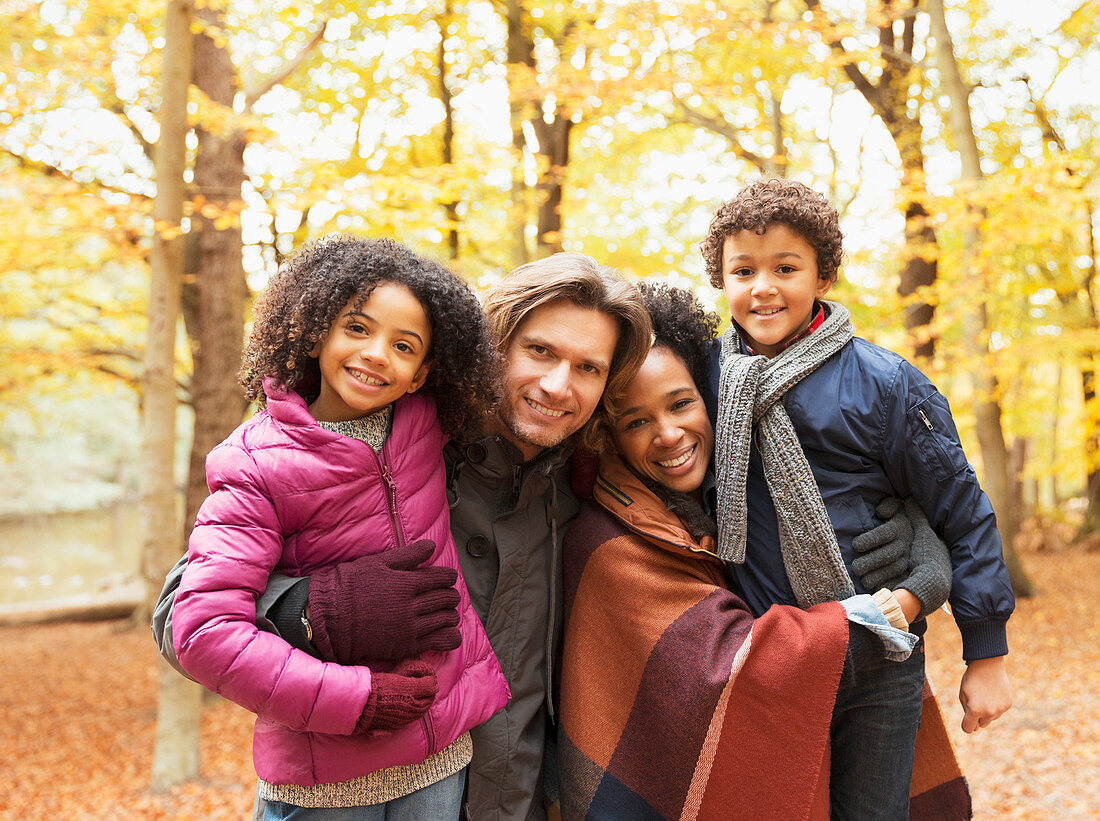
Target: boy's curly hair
point(299, 306)
point(771, 200)
point(680, 324)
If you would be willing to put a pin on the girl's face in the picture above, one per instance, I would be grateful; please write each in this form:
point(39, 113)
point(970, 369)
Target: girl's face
point(662, 429)
point(372, 355)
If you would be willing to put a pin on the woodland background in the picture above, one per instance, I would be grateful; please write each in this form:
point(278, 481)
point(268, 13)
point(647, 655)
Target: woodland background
point(159, 159)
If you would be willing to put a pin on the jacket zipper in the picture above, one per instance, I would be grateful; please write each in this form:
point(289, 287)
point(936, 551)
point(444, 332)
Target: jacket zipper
point(550, 630)
point(517, 485)
point(391, 488)
point(517, 489)
point(399, 536)
point(653, 538)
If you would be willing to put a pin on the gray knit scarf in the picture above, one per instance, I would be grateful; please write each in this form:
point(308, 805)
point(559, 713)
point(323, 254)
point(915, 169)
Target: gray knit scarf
point(750, 394)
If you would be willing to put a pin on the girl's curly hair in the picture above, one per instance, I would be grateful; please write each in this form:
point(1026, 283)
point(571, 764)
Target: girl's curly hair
point(299, 306)
point(771, 200)
point(682, 325)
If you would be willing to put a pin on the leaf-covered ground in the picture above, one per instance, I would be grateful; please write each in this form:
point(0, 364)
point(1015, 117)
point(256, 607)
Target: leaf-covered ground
point(79, 707)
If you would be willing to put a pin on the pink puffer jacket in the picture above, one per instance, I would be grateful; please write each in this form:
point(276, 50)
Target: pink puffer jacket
point(289, 496)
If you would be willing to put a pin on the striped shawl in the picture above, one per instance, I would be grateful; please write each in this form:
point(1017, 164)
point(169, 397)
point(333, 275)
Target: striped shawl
point(675, 702)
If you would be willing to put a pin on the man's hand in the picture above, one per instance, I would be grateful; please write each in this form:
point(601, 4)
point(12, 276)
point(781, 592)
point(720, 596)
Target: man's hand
point(985, 693)
point(882, 558)
point(904, 552)
point(384, 607)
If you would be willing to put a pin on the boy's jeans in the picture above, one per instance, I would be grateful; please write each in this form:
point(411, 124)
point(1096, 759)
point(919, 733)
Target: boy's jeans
point(874, 732)
point(441, 801)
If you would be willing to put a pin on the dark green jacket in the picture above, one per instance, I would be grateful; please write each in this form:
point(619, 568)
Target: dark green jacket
point(508, 519)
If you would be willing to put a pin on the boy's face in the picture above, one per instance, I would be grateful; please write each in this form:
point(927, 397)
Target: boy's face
point(770, 281)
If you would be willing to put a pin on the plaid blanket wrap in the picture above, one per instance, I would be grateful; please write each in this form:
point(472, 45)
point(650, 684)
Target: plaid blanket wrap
point(677, 704)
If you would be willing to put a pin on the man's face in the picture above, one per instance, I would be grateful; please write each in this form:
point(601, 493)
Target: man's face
point(557, 364)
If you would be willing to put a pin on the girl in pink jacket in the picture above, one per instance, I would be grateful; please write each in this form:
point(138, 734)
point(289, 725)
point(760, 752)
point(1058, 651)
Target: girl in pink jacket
point(361, 356)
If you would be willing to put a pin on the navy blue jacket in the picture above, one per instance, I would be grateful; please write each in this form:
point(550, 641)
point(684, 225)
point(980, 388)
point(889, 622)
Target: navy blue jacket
point(871, 426)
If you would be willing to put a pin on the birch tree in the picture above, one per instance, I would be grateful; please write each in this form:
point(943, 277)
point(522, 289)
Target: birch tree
point(176, 750)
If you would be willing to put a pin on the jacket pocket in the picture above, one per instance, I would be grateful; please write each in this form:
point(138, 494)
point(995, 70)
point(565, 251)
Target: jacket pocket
point(934, 434)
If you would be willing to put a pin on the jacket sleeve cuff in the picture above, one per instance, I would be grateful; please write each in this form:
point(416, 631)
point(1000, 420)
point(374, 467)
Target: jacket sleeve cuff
point(285, 615)
point(983, 639)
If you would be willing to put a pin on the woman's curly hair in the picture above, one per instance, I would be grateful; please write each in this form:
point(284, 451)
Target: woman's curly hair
point(770, 200)
point(680, 324)
point(300, 305)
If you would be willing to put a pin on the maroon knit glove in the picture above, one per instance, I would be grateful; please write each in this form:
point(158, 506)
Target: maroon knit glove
point(384, 607)
point(399, 697)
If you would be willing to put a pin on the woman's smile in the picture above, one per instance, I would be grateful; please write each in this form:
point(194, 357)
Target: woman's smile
point(661, 428)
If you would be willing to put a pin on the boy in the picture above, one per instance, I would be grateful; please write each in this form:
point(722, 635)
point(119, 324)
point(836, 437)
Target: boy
point(815, 427)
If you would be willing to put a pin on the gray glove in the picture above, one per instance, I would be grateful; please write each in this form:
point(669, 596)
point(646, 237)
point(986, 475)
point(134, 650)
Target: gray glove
point(904, 551)
point(883, 552)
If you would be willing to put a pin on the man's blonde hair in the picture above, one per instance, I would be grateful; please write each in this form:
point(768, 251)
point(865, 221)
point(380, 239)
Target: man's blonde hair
point(579, 279)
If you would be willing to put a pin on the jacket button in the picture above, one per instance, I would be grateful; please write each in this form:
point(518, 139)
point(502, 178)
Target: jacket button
point(477, 545)
point(476, 453)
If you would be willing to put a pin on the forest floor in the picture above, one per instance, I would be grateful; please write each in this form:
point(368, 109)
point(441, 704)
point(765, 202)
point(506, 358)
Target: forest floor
point(79, 706)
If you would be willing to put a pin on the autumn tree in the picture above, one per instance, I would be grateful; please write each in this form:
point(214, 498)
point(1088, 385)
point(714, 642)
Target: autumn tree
point(73, 281)
point(1077, 294)
point(987, 405)
point(215, 284)
point(175, 756)
point(888, 75)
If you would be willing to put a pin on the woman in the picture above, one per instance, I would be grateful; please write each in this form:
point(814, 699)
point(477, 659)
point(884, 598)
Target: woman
point(675, 701)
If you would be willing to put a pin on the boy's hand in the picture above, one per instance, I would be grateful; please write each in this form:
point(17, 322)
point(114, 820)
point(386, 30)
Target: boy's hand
point(910, 604)
point(985, 693)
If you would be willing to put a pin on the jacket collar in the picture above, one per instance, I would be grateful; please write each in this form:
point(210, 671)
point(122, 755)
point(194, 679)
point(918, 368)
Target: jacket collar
point(289, 409)
point(624, 496)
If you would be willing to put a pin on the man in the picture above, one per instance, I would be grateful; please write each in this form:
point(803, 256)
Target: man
point(567, 329)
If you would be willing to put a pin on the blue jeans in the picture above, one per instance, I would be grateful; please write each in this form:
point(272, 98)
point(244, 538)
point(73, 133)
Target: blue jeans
point(437, 802)
point(873, 735)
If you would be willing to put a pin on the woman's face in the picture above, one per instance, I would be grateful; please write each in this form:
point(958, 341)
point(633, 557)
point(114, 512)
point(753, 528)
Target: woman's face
point(662, 429)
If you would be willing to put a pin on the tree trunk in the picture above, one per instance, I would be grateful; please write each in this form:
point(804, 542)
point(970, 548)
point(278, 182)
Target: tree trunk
point(779, 162)
point(1019, 496)
point(219, 283)
point(521, 65)
point(920, 267)
point(176, 746)
point(1050, 487)
point(450, 206)
point(889, 98)
point(1091, 523)
point(554, 150)
point(1088, 390)
point(987, 408)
